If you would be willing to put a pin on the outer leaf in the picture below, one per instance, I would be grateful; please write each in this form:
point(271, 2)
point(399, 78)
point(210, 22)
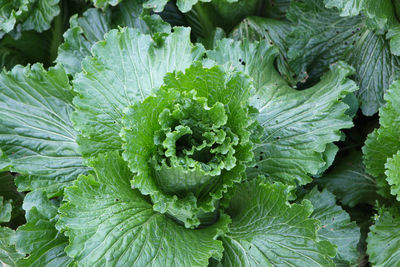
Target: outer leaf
point(319, 38)
point(85, 31)
point(393, 174)
point(349, 181)
point(297, 124)
point(376, 68)
point(322, 37)
point(274, 32)
point(38, 237)
point(384, 142)
point(336, 226)
point(109, 224)
point(394, 36)
point(346, 7)
point(36, 133)
point(8, 254)
point(29, 15)
point(384, 239)
point(266, 231)
point(125, 69)
point(5, 210)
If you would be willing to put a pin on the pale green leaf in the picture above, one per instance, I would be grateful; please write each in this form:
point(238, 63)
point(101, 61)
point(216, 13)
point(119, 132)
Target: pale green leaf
point(346, 7)
point(38, 237)
point(27, 15)
point(384, 239)
point(5, 210)
point(90, 28)
point(8, 254)
point(297, 124)
point(126, 68)
point(267, 231)
point(336, 226)
point(36, 133)
point(384, 143)
point(349, 182)
point(110, 224)
point(393, 174)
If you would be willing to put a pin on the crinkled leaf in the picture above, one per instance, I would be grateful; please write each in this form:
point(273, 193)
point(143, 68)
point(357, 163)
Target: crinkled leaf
point(36, 133)
point(349, 181)
point(384, 143)
point(126, 68)
point(190, 142)
point(384, 239)
point(393, 174)
point(267, 231)
point(90, 28)
point(27, 15)
point(38, 237)
point(297, 124)
point(109, 223)
point(336, 226)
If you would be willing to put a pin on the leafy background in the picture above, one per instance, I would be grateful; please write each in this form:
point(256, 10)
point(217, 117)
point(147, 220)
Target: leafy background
point(351, 178)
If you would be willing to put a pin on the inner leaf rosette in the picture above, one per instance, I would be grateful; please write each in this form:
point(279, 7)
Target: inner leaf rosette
point(190, 142)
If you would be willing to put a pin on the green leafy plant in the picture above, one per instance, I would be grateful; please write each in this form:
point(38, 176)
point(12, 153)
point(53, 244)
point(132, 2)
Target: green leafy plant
point(200, 133)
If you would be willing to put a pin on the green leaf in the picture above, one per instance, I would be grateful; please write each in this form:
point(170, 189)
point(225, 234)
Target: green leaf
point(384, 143)
point(384, 239)
point(5, 163)
point(349, 181)
point(267, 231)
point(394, 36)
point(274, 32)
point(5, 210)
point(36, 133)
point(8, 254)
point(336, 226)
point(183, 5)
point(376, 68)
point(393, 174)
point(346, 7)
point(90, 28)
point(109, 223)
point(297, 124)
point(38, 237)
point(380, 14)
point(319, 38)
point(126, 68)
point(27, 15)
point(104, 3)
point(189, 144)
